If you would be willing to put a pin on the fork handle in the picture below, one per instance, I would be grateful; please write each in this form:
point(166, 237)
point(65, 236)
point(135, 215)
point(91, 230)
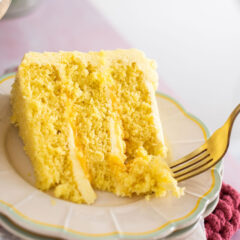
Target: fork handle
point(232, 117)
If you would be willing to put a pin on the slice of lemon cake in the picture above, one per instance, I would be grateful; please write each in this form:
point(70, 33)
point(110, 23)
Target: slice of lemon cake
point(90, 121)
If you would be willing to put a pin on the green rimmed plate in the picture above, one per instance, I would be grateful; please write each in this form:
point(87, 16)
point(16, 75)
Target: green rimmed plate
point(178, 234)
point(110, 217)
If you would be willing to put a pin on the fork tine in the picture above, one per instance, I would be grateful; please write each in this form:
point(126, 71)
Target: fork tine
point(190, 163)
point(193, 167)
point(197, 171)
point(190, 156)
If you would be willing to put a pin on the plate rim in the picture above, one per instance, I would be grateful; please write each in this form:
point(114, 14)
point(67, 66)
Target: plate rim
point(164, 229)
point(21, 232)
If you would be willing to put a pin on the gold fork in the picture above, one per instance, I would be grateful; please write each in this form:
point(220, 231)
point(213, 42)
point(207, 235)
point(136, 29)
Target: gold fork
point(206, 156)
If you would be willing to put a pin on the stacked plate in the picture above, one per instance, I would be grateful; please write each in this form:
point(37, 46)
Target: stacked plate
point(32, 214)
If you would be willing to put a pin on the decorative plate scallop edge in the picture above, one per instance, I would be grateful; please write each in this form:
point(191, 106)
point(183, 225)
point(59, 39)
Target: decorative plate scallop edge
point(163, 230)
point(21, 232)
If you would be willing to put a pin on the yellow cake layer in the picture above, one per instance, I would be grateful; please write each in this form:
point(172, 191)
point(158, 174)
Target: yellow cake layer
point(90, 121)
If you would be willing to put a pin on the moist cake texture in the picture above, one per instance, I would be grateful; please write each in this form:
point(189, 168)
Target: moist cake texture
point(90, 121)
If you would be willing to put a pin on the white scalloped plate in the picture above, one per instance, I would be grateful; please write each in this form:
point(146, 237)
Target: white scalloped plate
point(178, 234)
point(22, 233)
point(110, 217)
